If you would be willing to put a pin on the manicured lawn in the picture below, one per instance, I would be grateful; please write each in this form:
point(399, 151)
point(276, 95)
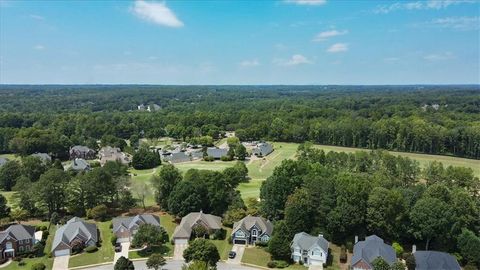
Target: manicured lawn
point(166, 250)
point(45, 259)
point(167, 222)
point(223, 246)
point(204, 165)
point(256, 255)
point(104, 253)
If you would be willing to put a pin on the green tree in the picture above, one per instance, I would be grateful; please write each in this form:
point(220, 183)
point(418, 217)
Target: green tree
point(386, 212)
point(18, 214)
point(380, 264)
point(124, 264)
point(156, 261)
point(9, 173)
point(299, 215)
point(397, 266)
point(98, 212)
point(202, 250)
point(4, 208)
point(398, 249)
point(145, 159)
point(164, 183)
point(469, 245)
point(196, 265)
point(50, 190)
point(232, 216)
point(188, 196)
point(241, 151)
point(150, 236)
point(33, 167)
point(279, 244)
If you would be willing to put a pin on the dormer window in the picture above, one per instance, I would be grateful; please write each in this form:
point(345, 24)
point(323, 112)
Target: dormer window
point(254, 232)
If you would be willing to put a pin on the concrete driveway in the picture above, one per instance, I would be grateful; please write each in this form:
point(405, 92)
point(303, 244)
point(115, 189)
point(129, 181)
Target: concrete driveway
point(124, 252)
point(239, 249)
point(178, 251)
point(61, 262)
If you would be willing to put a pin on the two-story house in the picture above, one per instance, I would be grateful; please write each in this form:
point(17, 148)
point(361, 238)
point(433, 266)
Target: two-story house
point(251, 229)
point(365, 252)
point(16, 239)
point(308, 249)
point(125, 227)
point(80, 151)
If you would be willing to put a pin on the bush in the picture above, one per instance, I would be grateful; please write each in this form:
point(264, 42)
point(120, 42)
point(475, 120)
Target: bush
point(398, 249)
point(45, 235)
point(220, 234)
point(114, 240)
point(281, 264)
point(38, 266)
point(470, 267)
point(208, 158)
point(272, 264)
point(98, 212)
point(91, 249)
point(225, 158)
point(261, 244)
point(349, 246)
point(41, 228)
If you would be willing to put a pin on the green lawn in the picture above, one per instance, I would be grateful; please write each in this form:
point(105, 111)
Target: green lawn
point(166, 250)
point(105, 252)
point(204, 165)
point(223, 246)
point(45, 259)
point(168, 224)
point(257, 256)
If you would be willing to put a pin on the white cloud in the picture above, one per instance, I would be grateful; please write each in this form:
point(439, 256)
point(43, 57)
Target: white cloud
point(157, 13)
point(338, 47)
point(307, 2)
point(457, 23)
point(37, 17)
point(250, 63)
point(328, 34)
point(296, 59)
point(419, 5)
point(39, 47)
point(439, 56)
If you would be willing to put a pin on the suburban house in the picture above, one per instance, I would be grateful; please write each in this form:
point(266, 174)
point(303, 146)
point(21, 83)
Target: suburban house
point(183, 231)
point(435, 260)
point(46, 158)
point(177, 157)
point(75, 231)
point(251, 229)
point(262, 149)
point(308, 249)
point(17, 239)
point(150, 108)
point(112, 154)
point(3, 161)
point(80, 151)
point(365, 252)
point(80, 165)
point(216, 153)
point(125, 227)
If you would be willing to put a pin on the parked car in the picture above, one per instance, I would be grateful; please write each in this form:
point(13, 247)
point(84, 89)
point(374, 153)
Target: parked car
point(118, 247)
point(232, 254)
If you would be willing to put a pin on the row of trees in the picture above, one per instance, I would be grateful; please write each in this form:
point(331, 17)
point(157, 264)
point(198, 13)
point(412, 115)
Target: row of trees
point(343, 195)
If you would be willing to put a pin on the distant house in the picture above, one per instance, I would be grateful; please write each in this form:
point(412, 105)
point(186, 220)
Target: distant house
point(125, 227)
point(251, 229)
point(16, 239)
point(3, 161)
point(46, 158)
point(178, 157)
point(196, 154)
point(435, 260)
point(217, 153)
point(76, 231)
point(308, 249)
point(153, 108)
point(141, 107)
point(183, 232)
point(112, 154)
point(262, 149)
point(80, 165)
point(365, 252)
point(80, 151)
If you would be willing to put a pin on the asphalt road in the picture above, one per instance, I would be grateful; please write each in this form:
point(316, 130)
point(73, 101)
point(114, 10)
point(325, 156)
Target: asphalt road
point(174, 265)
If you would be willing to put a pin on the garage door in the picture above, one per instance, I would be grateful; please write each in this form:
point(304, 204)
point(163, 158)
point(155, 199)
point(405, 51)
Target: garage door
point(240, 242)
point(123, 240)
point(62, 252)
point(180, 241)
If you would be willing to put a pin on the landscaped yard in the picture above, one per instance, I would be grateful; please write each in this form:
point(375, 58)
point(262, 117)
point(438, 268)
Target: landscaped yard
point(103, 254)
point(166, 251)
point(223, 246)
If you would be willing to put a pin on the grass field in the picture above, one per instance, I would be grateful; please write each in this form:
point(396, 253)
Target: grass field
point(103, 254)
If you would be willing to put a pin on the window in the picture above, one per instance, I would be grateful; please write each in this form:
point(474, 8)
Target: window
point(27, 241)
point(254, 232)
point(20, 242)
point(305, 252)
point(20, 248)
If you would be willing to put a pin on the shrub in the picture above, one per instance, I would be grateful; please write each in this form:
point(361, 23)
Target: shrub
point(398, 249)
point(272, 264)
point(98, 212)
point(261, 244)
point(114, 240)
point(349, 246)
point(225, 158)
point(220, 234)
point(91, 249)
point(38, 266)
point(343, 254)
point(208, 158)
point(281, 264)
point(45, 235)
point(470, 267)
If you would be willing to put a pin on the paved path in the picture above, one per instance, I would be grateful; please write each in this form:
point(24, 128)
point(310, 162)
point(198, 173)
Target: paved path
point(178, 251)
point(173, 265)
point(124, 252)
point(61, 262)
point(239, 249)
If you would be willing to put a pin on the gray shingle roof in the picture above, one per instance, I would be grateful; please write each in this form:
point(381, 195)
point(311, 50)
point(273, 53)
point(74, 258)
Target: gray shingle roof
point(130, 222)
point(216, 152)
point(18, 232)
point(178, 157)
point(306, 241)
point(81, 148)
point(43, 156)
point(80, 164)
point(75, 227)
point(371, 248)
point(435, 260)
point(184, 230)
point(263, 149)
point(249, 221)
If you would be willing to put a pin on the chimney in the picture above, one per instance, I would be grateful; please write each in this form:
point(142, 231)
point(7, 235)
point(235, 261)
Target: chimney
point(414, 248)
point(320, 235)
point(356, 239)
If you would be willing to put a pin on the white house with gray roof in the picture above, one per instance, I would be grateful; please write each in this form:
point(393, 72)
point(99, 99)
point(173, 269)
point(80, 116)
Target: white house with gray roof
point(308, 249)
point(365, 252)
point(75, 231)
point(80, 165)
point(216, 153)
point(125, 227)
point(262, 149)
point(251, 229)
point(183, 232)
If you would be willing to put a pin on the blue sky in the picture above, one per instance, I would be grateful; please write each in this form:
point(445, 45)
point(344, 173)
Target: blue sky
point(240, 42)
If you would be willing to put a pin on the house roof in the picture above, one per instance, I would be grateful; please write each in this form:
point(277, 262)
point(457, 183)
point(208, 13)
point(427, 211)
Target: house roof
point(372, 248)
point(184, 230)
point(18, 232)
point(80, 164)
point(73, 228)
point(249, 221)
point(81, 148)
point(263, 148)
point(178, 157)
point(3, 161)
point(130, 222)
point(216, 152)
point(306, 241)
point(435, 260)
point(43, 156)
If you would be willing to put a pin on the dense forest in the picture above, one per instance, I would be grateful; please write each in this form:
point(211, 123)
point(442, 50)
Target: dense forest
point(427, 119)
